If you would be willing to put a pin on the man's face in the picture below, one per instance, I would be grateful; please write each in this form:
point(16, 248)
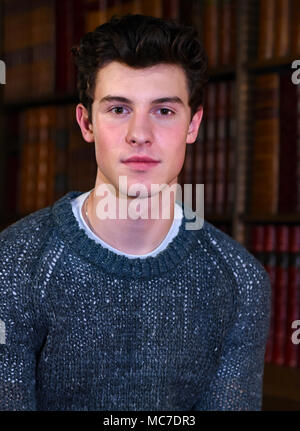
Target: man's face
point(140, 113)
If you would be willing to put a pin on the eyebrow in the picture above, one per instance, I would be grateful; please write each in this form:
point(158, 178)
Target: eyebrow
point(121, 99)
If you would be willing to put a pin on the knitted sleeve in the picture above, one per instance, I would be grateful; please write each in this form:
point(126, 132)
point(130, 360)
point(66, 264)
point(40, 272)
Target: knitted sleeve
point(237, 382)
point(21, 328)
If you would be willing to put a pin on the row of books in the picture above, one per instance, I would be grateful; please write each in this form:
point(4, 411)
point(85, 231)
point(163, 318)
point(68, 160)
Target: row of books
point(277, 247)
point(54, 158)
point(37, 39)
point(218, 31)
point(38, 36)
point(275, 183)
point(279, 30)
point(98, 12)
point(210, 160)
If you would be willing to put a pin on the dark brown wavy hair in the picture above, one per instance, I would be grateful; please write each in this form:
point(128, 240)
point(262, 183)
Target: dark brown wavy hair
point(140, 41)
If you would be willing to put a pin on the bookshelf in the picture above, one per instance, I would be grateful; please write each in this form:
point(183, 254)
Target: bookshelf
point(2, 148)
point(281, 385)
point(280, 382)
point(270, 64)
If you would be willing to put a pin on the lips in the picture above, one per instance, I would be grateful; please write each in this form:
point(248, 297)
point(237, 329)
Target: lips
point(140, 163)
point(142, 159)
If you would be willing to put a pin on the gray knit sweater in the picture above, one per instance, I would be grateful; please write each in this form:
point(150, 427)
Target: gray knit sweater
point(88, 329)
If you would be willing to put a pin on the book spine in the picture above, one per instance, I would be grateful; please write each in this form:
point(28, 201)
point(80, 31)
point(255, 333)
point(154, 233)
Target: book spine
point(95, 14)
point(220, 150)
point(295, 28)
point(43, 155)
point(230, 148)
point(298, 152)
point(266, 29)
point(14, 134)
point(152, 8)
point(114, 7)
point(269, 260)
point(17, 49)
point(131, 6)
point(266, 145)
point(233, 33)
point(28, 175)
point(282, 28)
point(287, 199)
point(227, 35)
point(280, 299)
point(52, 160)
point(293, 296)
point(211, 29)
point(78, 27)
point(43, 49)
point(257, 242)
point(63, 24)
point(60, 184)
point(170, 9)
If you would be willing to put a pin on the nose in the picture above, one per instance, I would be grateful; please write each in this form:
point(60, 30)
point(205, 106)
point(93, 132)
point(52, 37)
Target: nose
point(139, 129)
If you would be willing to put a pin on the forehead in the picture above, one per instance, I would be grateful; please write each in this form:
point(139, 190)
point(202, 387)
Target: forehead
point(158, 80)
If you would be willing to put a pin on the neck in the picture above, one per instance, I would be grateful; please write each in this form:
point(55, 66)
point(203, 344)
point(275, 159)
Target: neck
point(138, 232)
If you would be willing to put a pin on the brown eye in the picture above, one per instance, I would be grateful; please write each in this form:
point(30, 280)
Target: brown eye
point(166, 112)
point(118, 109)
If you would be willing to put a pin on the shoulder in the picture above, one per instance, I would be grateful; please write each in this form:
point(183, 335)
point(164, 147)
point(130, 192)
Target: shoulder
point(29, 243)
point(230, 251)
point(23, 305)
point(21, 242)
point(22, 246)
point(250, 278)
point(247, 281)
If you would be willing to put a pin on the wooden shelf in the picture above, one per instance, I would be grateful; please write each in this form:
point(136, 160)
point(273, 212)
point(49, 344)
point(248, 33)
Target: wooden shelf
point(272, 218)
point(281, 387)
point(272, 64)
point(55, 99)
point(223, 72)
point(218, 218)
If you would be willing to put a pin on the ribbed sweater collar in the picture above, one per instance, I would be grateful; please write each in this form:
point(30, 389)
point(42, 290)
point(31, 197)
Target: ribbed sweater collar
point(118, 265)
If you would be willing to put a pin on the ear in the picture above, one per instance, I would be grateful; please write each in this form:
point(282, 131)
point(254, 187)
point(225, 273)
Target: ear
point(84, 123)
point(194, 126)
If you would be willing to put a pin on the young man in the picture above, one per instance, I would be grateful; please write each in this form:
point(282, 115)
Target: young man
point(129, 311)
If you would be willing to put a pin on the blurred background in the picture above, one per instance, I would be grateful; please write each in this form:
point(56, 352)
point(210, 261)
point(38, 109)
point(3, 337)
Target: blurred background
point(247, 153)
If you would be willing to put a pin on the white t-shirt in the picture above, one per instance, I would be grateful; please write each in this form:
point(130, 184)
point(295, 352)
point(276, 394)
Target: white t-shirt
point(178, 214)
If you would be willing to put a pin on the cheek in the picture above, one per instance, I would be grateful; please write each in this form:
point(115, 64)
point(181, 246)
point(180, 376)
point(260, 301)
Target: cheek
point(106, 144)
point(175, 144)
point(176, 134)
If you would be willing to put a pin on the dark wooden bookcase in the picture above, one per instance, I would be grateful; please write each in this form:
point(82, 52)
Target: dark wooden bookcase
point(2, 143)
point(280, 383)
